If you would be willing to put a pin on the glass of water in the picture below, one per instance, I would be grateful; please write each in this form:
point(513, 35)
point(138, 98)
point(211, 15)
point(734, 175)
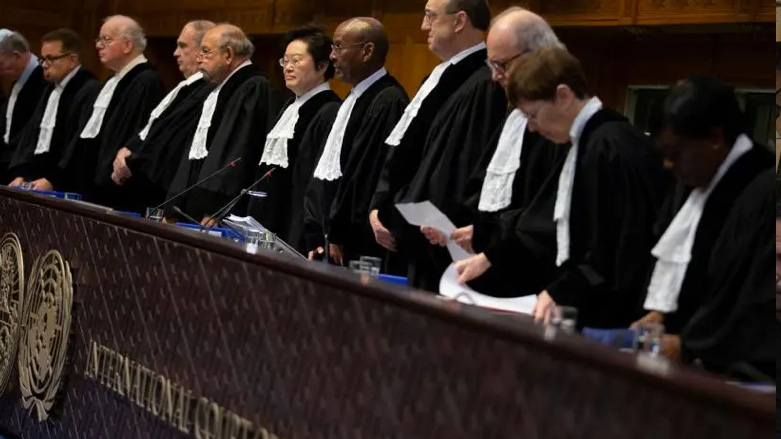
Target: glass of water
point(648, 338)
point(374, 264)
point(564, 318)
point(155, 215)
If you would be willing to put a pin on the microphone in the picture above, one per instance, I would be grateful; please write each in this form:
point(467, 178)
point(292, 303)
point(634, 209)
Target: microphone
point(218, 216)
point(231, 164)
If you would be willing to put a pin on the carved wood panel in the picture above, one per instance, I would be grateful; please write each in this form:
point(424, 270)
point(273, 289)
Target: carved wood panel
point(695, 11)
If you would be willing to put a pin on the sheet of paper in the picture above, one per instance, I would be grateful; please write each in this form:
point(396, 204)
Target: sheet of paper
point(426, 214)
point(449, 287)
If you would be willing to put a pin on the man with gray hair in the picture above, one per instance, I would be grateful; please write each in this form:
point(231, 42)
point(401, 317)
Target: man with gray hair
point(148, 163)
point(20, 66)
point(119, 113)
point(515, 165)
point(233, 123)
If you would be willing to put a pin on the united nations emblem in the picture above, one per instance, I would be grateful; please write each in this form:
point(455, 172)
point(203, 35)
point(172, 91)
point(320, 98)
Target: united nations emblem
point(46, 322)
point(11, 304)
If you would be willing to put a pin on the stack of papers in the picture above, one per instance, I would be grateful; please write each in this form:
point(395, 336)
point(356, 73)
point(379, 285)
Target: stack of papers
point(425, 214)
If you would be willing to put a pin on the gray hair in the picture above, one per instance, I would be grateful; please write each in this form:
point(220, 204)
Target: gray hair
point(200, 27)
point(131, 30)
point(534, 35)
point(236, 40)
point(14, 42)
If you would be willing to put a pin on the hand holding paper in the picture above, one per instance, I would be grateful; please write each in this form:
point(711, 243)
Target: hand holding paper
point(425, 214)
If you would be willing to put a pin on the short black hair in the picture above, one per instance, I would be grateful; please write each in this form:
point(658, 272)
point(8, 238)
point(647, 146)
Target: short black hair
point(318, 45)
point(697, 105)
point(478, 11)
point(71, 41)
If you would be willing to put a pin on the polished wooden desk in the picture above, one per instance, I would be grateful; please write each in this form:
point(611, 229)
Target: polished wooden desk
point(176, 335)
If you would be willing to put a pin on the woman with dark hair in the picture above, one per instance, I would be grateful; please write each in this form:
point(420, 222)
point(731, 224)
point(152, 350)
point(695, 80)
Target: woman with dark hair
point(712, 271)
point(301, 129)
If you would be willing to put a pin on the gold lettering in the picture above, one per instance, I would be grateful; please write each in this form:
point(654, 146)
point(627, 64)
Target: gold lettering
point(202, 414)
point(93, 365)
point(230, 425)
point(167, 405)
point(137, 392)
point(182, 410)
point(216, 427)
point(167, 401)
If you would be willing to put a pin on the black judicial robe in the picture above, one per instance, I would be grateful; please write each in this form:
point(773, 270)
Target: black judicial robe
point(618, 191)
point(89, 163)
point(77, 98)
point(282, 210)
point(244, 115)
point(402, 161)
point(155, 160)
point(726, 197)
point(540, 159)
point(366, 132)
point(458, 138)
point(25, 105)
point(733, 328)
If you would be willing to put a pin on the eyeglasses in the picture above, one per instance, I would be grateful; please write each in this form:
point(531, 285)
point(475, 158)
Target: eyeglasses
point(501, 66)
point(430, 16)
point(105, 40)
point(338, 48)
point(205, 52)
point(51, 58)
point(293, 62)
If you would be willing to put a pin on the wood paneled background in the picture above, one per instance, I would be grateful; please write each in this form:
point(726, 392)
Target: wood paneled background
point(620, 42)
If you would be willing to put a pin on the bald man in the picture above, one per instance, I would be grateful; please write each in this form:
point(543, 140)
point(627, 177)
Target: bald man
point(233, 121)
point(457, 138)
point(120, 111)
point(149, 162)
point(20, 66)
point(348, 169)
point(513, 169)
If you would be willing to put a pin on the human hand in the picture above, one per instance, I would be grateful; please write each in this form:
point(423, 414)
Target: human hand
point(472, 268)
point(382, 235)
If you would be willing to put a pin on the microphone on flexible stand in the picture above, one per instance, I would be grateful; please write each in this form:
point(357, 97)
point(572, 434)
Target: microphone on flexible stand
point(219, 215)
point(231, 164)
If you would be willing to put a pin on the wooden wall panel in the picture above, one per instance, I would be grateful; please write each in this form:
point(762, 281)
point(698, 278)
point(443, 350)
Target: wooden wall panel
point(695, 11)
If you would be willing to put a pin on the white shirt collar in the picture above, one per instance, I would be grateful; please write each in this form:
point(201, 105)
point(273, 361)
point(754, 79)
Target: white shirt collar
point(461, 56)
point(140, 59)
point(313, 92)
point(244, 64)
point(68, 77)
point(28, 71)
point(192, 79)
point(586, 113)
point(364, 85)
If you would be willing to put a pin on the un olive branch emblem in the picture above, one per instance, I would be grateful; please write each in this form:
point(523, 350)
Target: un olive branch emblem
point(46, 324)
point(11, 305)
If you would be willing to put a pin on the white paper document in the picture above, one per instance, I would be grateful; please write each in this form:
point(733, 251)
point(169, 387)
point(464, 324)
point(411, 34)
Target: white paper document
point(449, 287)
point(426, 214)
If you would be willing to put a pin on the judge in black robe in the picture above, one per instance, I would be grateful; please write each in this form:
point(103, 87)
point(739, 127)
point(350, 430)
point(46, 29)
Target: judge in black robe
point(154, 160)
point(338, 197)
point(714, 301)
point(87, 164)
point(609, 192)
point(457, 139)
point(402, 160)
point(374, 116)
point(490, 224)
point(240, 119)
point(28, 87)
point(307, 69)
point(148, 163)
point(76, 99)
